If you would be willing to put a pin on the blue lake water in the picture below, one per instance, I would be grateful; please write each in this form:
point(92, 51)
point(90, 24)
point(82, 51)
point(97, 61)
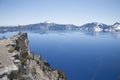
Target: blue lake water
point(81, 55)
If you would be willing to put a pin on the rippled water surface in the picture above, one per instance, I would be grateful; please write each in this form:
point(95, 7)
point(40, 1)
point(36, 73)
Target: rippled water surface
point(82, 55)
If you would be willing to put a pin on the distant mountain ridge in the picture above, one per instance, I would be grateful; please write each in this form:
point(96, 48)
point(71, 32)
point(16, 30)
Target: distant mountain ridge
point(97, 27)
point(47, 25)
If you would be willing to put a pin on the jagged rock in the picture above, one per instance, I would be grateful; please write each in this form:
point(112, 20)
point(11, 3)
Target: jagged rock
point(4, 78)
point(25, 65)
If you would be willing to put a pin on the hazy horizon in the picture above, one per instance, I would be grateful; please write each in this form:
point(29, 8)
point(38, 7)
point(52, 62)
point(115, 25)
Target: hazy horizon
point(55, 23)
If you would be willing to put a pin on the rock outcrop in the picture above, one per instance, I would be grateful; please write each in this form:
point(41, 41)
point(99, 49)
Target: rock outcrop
point(18, 63)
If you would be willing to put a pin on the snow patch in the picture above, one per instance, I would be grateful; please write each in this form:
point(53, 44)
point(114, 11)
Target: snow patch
point(118, 27)
point(48, 21)
point(97, 29)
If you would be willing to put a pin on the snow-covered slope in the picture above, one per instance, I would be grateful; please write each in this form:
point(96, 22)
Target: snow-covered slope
point(116, 26)
point(48, 25)
point(97, 27)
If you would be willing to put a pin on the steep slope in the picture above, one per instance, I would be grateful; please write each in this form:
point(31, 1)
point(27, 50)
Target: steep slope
point(116, 26)
point(21, 64)
point(95, 27)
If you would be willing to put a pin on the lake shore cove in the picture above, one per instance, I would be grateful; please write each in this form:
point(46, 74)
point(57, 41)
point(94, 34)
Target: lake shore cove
point(18, 63)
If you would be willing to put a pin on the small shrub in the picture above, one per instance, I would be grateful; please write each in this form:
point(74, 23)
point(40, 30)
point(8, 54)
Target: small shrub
point(33, 56)
point(23, 60)
point(62, 74)
point(8, 45)
point(37, 62)
point(11, 50)
point(34, 70)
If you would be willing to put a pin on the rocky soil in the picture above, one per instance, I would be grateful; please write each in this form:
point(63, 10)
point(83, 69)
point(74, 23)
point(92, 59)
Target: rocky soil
point(18, 63)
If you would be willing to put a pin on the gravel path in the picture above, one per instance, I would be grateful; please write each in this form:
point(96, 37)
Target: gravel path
point(4, 55)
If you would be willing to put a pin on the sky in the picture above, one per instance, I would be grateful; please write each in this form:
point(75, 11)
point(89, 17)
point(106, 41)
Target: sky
point(77, 12)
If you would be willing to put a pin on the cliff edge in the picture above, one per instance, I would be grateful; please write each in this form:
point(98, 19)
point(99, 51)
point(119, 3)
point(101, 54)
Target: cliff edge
point(18, 63)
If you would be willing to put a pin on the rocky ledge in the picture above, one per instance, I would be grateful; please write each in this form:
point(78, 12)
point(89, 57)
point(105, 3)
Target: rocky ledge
point(18, 63)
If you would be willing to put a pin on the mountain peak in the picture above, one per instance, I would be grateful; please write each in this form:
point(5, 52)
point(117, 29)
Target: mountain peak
point(48, 21)
point(117, 23)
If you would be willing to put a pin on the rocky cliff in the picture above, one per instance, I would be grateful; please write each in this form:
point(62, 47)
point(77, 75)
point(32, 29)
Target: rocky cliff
point(18, 63)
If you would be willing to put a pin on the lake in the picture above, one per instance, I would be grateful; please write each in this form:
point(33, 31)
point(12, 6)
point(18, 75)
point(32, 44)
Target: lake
point(81, 55)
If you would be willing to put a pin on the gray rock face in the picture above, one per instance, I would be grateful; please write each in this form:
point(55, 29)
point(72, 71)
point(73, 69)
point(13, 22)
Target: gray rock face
point(20, 64)
point(23, 45)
